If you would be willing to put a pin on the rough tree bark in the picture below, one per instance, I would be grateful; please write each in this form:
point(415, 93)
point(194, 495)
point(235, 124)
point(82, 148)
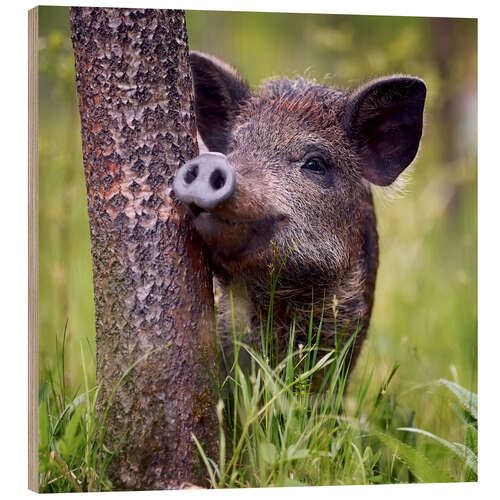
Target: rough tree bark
point(152, 285)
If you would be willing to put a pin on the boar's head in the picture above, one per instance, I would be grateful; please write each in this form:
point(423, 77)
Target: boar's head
point(293, 166)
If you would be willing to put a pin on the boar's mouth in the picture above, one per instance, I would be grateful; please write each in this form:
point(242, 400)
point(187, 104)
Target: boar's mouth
point(234, 238)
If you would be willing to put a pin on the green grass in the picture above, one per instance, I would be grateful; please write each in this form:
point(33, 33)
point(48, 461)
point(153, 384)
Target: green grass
point(71, 452)
point(277, 425)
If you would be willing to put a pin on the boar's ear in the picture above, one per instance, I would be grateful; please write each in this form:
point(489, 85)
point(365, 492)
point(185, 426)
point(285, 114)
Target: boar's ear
point(219, 92)
point(384, 120)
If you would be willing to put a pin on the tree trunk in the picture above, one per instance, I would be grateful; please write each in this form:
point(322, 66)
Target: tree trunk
point(152, 285)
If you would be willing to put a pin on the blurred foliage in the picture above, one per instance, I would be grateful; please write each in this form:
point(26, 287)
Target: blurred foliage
point(425, 314)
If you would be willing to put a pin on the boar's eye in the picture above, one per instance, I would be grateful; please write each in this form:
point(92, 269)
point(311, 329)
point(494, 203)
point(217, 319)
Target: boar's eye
point(316, 165)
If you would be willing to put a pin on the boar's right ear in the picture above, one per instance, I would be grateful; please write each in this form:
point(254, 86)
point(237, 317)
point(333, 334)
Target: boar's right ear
point(219, 92)
point(383, 119)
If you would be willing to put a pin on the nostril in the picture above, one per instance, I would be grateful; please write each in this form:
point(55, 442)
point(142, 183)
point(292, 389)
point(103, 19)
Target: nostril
point(217, 179)
point(191, 174)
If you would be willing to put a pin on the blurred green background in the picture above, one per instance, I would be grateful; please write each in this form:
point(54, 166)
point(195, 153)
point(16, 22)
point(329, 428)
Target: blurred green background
point(425, 314)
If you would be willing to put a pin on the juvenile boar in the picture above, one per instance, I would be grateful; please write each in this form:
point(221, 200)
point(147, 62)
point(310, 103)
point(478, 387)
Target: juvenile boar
point(288, 179)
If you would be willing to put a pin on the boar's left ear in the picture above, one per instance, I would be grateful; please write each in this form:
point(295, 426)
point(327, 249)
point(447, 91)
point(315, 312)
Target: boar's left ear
point(384, 121)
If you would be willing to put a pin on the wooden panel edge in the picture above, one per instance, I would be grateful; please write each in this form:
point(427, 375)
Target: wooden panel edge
point(33, 249)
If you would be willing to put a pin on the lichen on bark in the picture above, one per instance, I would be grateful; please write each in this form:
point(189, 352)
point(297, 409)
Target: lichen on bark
point(152, 284)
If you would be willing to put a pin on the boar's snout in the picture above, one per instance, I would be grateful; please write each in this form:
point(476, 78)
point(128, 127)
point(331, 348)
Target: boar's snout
point(205, 181)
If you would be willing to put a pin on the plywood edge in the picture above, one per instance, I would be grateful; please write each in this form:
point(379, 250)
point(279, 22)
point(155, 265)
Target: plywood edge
point(33, 249)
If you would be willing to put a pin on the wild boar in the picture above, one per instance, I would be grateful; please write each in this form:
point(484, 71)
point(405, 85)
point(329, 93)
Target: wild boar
point(288, 180)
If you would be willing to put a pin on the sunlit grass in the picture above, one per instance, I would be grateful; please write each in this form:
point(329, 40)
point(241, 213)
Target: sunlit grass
point(277, 426)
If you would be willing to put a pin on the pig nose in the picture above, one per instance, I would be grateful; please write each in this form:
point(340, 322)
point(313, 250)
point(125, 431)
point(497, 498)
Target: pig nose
point(206, 181)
